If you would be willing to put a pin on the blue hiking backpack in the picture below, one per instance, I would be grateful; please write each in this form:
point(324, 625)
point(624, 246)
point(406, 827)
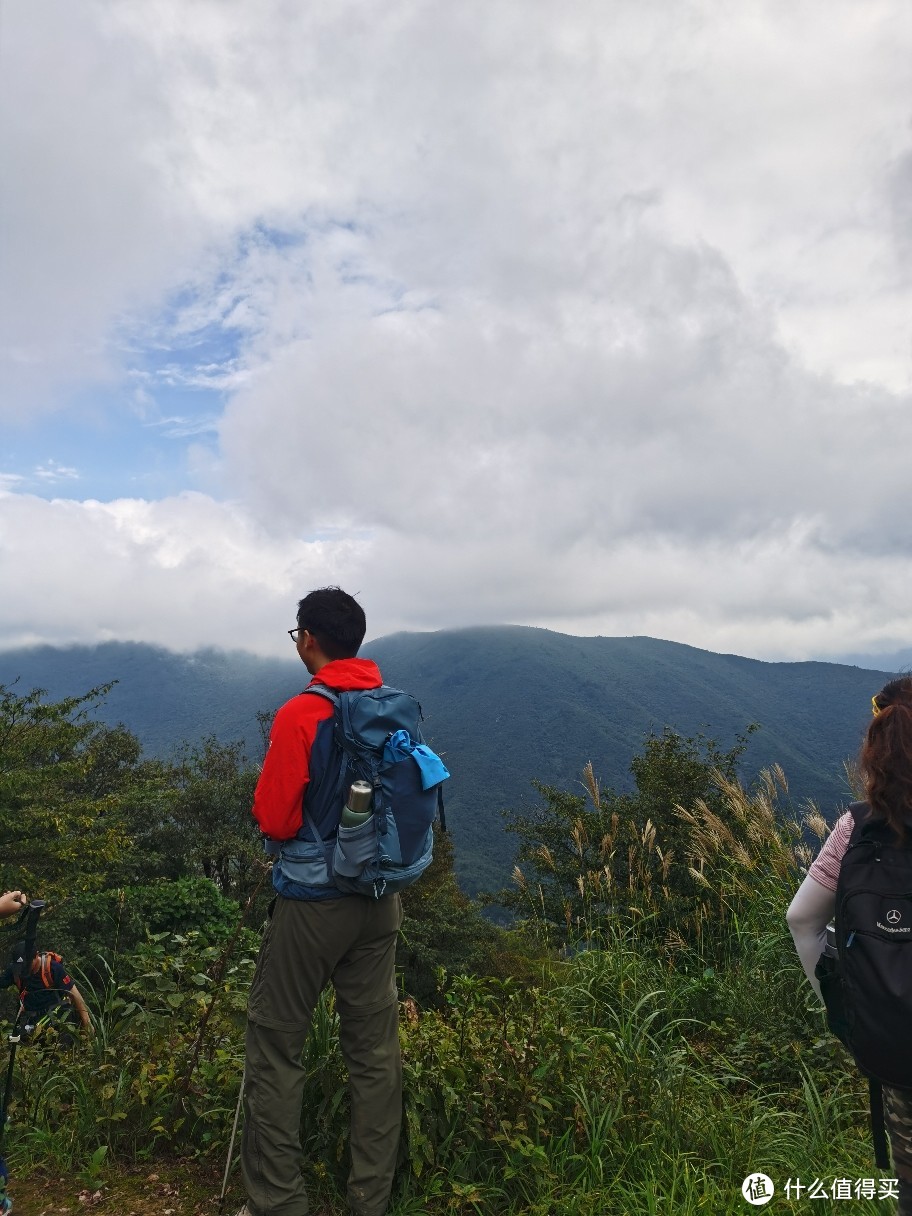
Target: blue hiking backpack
point(375, 736)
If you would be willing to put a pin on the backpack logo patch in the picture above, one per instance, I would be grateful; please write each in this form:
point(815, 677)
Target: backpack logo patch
point(893, 917)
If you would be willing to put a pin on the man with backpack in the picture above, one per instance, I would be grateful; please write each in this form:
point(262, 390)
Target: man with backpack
point(337, 913)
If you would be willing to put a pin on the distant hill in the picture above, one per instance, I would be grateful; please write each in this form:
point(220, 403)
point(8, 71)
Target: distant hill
point(505, 704)
point(163, 697)
point(893, 660)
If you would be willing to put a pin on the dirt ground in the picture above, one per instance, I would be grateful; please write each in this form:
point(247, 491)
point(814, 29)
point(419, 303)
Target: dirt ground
point(172, 1190)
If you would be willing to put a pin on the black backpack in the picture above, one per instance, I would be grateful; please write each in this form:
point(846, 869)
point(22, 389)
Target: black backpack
point(866, 981)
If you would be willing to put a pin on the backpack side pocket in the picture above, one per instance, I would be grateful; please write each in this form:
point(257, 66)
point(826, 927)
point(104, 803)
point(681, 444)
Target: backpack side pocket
point(355, 847)
point(829, 975)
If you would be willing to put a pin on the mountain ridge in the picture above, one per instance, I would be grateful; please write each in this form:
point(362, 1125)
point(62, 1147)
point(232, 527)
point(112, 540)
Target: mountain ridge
point(506, 704)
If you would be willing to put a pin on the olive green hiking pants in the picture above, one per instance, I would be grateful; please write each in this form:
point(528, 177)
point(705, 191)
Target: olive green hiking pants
point(350, 942)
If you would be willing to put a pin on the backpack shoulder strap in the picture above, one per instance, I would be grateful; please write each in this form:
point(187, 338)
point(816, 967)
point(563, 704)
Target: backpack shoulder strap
point(323, 690)
point(342, 704)
point(867, 828)
point(307, 820)
point(863, 825)
point(860, 812)
point(878, 1128)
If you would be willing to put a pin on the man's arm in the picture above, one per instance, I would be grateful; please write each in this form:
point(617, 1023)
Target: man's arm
point(74, 996)
point(63, 982)
point(279, 797)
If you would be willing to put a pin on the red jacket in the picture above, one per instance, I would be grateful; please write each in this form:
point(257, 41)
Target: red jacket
point(279, 796)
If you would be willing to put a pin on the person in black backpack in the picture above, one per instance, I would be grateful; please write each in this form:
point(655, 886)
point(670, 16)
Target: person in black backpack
point(320, 933)
point(47, 993)
point(863, 875)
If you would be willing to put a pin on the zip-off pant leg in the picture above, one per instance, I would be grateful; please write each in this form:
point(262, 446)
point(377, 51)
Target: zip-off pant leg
point(271, 1144)
point(351, 941)
point(365, 983)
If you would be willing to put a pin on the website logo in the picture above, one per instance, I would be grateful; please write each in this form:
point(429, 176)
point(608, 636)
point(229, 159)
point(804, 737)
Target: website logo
point(757, 1189)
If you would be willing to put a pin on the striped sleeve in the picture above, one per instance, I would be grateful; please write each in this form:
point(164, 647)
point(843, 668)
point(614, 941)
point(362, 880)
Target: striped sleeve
point(825, 866)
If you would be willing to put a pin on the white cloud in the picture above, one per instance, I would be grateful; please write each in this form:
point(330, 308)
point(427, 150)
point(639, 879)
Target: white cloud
point(181, 428)
point(183, 572)
point(660, 408)
point(591, 316)
point(189, 572)
point(141, 139)
point(89, 226)
point(53, 472)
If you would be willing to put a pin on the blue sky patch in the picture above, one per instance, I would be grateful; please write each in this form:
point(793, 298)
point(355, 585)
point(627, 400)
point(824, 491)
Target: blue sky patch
point(129, 441)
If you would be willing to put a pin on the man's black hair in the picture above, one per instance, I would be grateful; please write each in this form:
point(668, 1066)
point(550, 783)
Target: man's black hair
point(335, 619)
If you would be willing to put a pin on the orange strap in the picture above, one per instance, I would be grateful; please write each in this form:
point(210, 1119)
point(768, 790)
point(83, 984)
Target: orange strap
point(47, 958)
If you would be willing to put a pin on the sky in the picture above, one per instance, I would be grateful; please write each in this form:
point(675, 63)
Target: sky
point(595, 316)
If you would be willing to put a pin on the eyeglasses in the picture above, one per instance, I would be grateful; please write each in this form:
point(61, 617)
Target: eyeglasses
point(876, 708)
point(293, 633)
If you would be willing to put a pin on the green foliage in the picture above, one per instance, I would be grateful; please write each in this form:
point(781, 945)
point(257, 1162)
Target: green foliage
point(670, 1048)
point(584, 858)
point(213, 788)
point(67, 790)
point(83, 815)
point(136, 1087)
point(107, 923)
point(444, 934)
point(673, 771)
point(599, 1084)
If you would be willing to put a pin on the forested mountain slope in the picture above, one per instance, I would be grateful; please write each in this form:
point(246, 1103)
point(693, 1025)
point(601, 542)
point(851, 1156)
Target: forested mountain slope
point(506, 705)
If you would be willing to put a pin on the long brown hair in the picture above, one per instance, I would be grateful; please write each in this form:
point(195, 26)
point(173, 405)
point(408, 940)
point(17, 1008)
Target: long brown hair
point(886, 755)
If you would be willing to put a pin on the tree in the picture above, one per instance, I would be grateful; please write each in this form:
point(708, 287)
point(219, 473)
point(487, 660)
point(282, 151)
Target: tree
point(67, 784)
point(212, 786)
point(444, 929)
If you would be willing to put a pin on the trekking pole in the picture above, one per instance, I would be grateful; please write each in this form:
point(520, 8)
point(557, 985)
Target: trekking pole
point(30, 916)
point(13, 1040)
point(237, 1116)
